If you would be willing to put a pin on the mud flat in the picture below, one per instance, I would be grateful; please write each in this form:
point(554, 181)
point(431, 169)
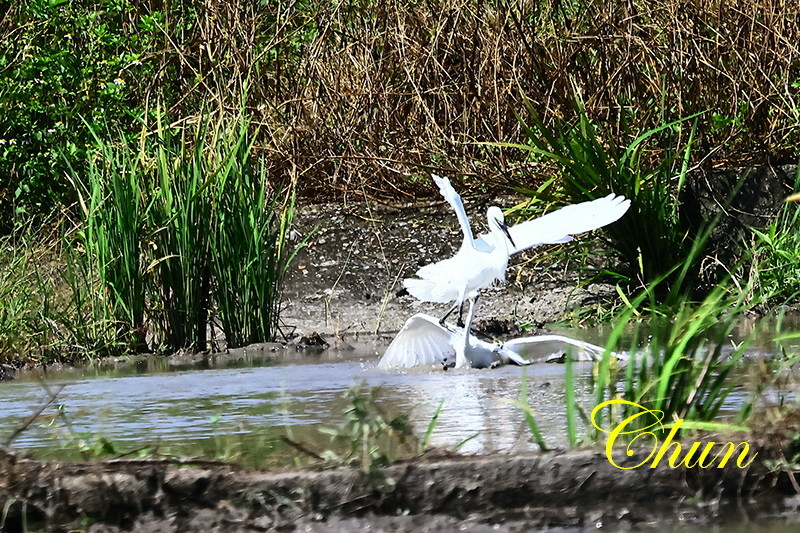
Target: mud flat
point(346, 283)
point(490, 493)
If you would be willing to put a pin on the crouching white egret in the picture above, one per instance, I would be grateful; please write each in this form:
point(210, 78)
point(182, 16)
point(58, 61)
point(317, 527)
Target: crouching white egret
point(482, 261)
point(424, 341)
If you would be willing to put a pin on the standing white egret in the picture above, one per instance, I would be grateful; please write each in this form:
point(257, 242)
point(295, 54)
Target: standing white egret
point(482, 261)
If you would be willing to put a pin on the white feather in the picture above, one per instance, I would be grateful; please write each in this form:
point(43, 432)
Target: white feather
point(481, 262)
point(422, 341)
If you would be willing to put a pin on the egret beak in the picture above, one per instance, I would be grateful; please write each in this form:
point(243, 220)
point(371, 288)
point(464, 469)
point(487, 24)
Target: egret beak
point(504, 227)
point(793, 198)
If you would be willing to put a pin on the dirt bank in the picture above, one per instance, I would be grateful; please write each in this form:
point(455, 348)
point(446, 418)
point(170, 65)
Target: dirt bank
point(497, 493)
point(347, 279)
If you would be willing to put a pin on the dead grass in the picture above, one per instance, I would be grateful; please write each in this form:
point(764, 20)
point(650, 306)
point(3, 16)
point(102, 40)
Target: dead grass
point(355, 97)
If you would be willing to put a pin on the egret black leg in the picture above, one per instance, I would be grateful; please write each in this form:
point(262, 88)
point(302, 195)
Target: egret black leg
point(450, 312)
point(460, 321)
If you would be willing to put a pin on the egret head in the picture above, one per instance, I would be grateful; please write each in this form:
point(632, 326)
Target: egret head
point(498, 220)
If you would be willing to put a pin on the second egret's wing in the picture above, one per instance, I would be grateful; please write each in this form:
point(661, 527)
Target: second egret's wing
point(422, 341)
point(560, 225)
point(452, 197)
point(513, 356)
point(542, 348)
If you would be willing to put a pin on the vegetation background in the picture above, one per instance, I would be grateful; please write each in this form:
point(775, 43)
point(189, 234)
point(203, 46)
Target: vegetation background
point(362, 97)
point(331, 100)
point(151, 152)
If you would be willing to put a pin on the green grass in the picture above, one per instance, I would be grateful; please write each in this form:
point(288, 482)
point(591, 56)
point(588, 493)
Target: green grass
point(249, 249)
point(775, 257)
point(523, 404)
point(21, 332)
point(183, 229)
point(684, 370)
point(51, 304)
point(652, 237)
point(175, 230)
point(113, 236)
point(370, 436)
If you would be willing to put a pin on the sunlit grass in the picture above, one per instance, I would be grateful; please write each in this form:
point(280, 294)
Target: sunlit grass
point(684, 369)
point(176, 230)
point(775, 257)
point(652, 237)
point(249, 249)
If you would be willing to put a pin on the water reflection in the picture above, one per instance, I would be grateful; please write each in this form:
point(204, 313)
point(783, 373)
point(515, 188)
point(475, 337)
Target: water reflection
point(178, 407)
point(298, 395)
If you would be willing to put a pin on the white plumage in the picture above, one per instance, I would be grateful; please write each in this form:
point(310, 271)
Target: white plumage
point(424, 342)
point(482, 261)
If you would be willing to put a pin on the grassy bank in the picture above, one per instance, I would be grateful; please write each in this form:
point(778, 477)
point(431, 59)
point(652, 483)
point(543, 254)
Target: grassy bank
point(173, 236)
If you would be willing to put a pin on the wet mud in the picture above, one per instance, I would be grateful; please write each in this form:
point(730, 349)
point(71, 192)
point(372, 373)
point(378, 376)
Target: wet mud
point(580, 491)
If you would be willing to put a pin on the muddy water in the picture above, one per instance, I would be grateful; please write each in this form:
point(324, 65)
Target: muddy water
point(250, 405)
point(177, 408)
point(224, 412)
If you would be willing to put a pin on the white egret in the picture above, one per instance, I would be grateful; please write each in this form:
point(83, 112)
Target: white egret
point(424, 341)
point(482, 261)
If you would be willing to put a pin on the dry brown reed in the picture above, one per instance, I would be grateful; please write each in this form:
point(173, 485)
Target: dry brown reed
point(359, 96)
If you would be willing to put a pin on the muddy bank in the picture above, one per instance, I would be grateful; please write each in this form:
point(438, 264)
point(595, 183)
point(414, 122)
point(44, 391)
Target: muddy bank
point(343, 290)
point(348, 279)
point(496, 493)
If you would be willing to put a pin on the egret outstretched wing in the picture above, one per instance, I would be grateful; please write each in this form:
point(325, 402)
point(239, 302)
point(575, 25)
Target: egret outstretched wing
point(542, 348)
point(422, 341)
point(454, 199)
point(483, 261)
point(560, 225)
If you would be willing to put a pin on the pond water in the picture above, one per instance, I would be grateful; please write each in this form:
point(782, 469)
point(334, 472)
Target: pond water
point(243, 409)
point(247, 408)
point(183, 408)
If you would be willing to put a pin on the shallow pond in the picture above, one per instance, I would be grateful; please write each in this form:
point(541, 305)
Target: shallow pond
point(177, 408)
point(245, 409)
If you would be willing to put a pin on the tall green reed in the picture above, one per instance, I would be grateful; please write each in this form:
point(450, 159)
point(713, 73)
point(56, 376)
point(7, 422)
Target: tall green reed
point(249, 249)
point(684, 369)
point(172, 231)
point(115, 228)
point(652, 237)
point(83, 326)
point(182, 232)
